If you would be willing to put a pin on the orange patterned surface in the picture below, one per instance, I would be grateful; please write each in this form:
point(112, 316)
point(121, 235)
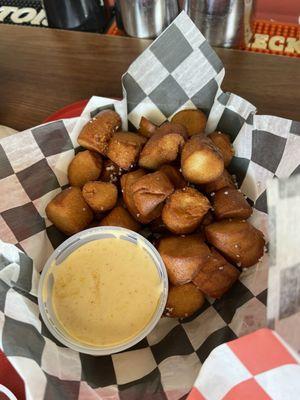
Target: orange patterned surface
point(284, 31)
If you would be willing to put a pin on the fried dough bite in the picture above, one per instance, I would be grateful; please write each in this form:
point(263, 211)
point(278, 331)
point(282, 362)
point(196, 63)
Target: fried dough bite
point(238, 240)
point(224, 180)
point(222, 141)
point(216, 275)
point(127, 182)
point(97, 133)
point(124, 149)
point(183, 257)
point(69, 212)
point(150, 191)
point(174, 175)
point(100, 196)
point(230, 203)
point(118, 216)
point(86, 166)
point(111, 172)
point(193, 120)
point(146, 128)
point(184, 210)
point(201, 160)
point(183, 301)
point(163, 146)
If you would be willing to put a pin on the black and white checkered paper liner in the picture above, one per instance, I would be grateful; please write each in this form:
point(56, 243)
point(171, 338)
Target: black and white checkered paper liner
point(179, 70)
point(283, 311)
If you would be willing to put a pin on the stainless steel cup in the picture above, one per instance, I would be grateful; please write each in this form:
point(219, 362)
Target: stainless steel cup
point(146, 18)
point(224, 23)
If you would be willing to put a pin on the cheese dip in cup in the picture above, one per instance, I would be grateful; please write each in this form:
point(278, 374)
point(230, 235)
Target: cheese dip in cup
point(103, 290)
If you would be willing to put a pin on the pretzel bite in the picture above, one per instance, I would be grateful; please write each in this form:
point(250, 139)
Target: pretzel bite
point(238, 240)
point(216, 275)
point(224, 180)
point(222, 141)
point(183, 301)
point(85, 166)
point(174, 175)
point(111, 172)
point(124, 149)
point(69, 212)
point(100, 196)
point(146, 128)
point(127, 182)
point(97, 133)
point(193, 120)
point(184, 210)
point(118, 216)
point(150, 191)
point(230, 203)
point(163, 146)
point(183, 257)
point(201, 160)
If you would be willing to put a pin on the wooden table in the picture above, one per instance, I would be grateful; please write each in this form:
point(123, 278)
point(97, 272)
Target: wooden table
point(42, 70)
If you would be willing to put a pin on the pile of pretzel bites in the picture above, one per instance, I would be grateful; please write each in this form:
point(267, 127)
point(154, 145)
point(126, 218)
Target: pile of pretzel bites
point(173, 179)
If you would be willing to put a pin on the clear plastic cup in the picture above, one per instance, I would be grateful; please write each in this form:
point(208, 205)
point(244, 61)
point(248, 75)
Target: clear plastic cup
point(65, 249)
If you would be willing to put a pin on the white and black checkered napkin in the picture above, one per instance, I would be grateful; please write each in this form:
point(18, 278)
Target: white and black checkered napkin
point(179, 70)
point(284, 273)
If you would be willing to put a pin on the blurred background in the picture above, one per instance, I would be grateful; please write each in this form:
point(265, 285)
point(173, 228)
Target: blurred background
point(25, 12)
point(268, 26)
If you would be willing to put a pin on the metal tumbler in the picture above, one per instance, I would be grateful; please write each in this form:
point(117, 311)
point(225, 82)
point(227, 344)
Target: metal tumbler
point(224, 23)
point(146, 18)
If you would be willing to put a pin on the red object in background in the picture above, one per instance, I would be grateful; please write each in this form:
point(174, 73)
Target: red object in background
point(283, 11)
point(10, 378)
point(70, 111)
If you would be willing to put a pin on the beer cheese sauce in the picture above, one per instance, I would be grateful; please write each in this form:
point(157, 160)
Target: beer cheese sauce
point(106, 292)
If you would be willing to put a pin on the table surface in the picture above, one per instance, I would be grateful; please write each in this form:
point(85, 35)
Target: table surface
point(42, 70)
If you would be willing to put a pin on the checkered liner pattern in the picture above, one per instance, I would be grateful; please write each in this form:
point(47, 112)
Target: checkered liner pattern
point(179, 70)
point(258, 366)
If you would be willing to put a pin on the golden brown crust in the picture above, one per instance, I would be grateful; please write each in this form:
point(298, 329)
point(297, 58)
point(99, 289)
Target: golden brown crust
point(127, 182)
point(201, 160)
point(69, 212)
point(216, 275)
point(85, 166)
point(183, 257)
point(193, 120)
point(111, 172)
point(224, 180)
point(184, 210)
point(124, 149)
point(238, 240)
point(118, 216)
point(151, 190)
point(222, 141)
point(146, 128)
point(97, 133)
point(230, 203)
point(163, 147)
point(183, 301)
point(100, 196)
point(174, 175)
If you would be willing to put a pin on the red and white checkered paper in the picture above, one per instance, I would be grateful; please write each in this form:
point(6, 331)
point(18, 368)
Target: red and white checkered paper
point(259, 366)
